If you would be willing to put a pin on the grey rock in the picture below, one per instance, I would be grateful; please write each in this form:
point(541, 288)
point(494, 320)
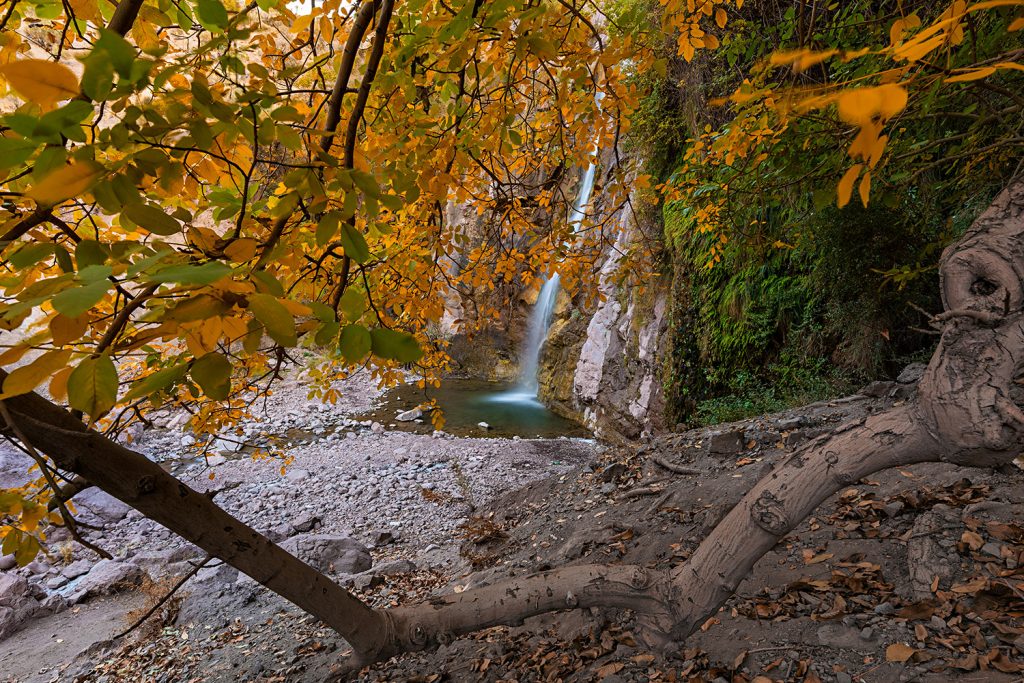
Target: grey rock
point(222, 573)
point(790, 423)
point(838, 635)
point(76, 569)
point(340, 554)
point(37, 567)
point(55, 582)
point(884, 608)
point(409, 415)
point(394, 567)
point(101, 504)
point(296, 476)
point(106, 577)
point(727, 442)
point(894, 508)
point(7, 562)
point(993, 549)
point(878, 389)
point(16, 603)
point(483, 425)
point(613, 472)
point(366, 581)
point(12, 589)
point(912, 373)
point(157, 562)
point(381, 538)
point(307, 523)
point(214, 460)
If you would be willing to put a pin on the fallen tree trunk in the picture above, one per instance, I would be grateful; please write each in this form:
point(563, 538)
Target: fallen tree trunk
point(964, 413)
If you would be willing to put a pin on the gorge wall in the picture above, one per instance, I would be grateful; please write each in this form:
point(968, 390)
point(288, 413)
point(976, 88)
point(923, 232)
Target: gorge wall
point(603, 367)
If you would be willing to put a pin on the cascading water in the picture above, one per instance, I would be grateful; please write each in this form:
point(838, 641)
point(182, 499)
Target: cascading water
point(540, 318)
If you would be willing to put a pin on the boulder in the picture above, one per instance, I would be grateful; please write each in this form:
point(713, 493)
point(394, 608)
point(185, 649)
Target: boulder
point(16, 603)
point(76, 569)
point(101, 504)
point(382, 538)
point(306, 523)
point(409, 415)
point(726, 442)
point(328, 553)
point(106, 577)
point(7, 562)
point(912, 373)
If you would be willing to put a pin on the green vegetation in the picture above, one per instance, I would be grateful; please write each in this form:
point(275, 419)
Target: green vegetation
point(780, 297)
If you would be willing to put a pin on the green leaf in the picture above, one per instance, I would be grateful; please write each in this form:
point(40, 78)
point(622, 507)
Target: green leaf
point(92, 386)
point(11, 541)
point(212, 373)
point(323, 312)
point(327, 333)
point(367, 183)
point(90, 253)
point(352, 304)
point(98, 77)
point(395, 345)
point(267, 283)
point(64, 259)
point(212, 15)
point(116, 49)
point(75, 301)
point(354, 244)
point(276, 319)
point(354, 343)
point(15, 151)
point(155, 382)
point(327, 228)
point(151, 218)
point(188, 274)
point(31, 254)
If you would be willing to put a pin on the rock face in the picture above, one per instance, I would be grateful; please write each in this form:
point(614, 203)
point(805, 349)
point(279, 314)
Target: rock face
point(605, 369)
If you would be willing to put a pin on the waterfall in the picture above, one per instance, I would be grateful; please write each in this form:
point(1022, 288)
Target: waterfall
point(540, 318)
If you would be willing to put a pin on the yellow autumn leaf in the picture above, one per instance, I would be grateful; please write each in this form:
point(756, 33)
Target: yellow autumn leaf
point(901, 26)
point(721, 17)
point(26, 378)
point(64, 183)
point(845, 189)
point(898, 652)
point(1016, 25)
point(972, 75)
point(859, 105)
point(58, 386)
point(865, 188)
point(894, 99)
point(40, 80)
point(241, 250)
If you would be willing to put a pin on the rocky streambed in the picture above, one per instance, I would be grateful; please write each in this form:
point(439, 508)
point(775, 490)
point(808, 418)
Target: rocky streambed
point(355, 498)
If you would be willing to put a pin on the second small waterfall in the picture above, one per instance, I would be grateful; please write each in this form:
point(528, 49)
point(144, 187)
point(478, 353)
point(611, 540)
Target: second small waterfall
point(540, 318)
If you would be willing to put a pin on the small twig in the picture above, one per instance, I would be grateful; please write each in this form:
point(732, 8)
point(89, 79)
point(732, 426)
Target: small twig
point(159, 603)
point(678, 469)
